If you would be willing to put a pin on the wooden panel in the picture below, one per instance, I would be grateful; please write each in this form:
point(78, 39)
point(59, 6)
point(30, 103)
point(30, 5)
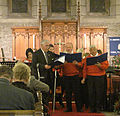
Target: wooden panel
point(60, 33)
point(92, 36)
point(23, 39)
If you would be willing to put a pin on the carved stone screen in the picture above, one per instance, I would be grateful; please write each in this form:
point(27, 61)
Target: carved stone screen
point(19, 6)
point(58, 5)
point(97, 5)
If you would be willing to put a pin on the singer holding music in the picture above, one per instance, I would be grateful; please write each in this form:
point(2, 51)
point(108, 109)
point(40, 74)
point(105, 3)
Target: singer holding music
point(40, 67)
point(95, 73)
point(71, 81)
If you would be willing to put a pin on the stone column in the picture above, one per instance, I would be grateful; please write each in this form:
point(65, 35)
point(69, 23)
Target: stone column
point(3, 9)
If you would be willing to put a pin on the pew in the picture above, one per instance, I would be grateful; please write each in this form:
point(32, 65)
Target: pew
point(20, 113)
point(17, 112)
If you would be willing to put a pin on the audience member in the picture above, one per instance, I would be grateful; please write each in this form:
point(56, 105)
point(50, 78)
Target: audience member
point(38, 85)
point(11, 97)
point(21, 77)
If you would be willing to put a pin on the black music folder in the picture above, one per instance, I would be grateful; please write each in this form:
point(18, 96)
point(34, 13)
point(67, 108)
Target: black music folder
point(94, 60)
point(71, 57)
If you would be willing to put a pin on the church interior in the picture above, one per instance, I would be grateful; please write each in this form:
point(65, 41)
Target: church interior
point(24, 23)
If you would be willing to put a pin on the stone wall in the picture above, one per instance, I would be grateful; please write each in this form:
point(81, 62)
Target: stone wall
point(6, 36)
point(112, 22)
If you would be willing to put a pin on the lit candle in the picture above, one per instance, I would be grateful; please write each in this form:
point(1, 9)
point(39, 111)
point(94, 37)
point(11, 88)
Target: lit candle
point(33, 41)
point(85, 39)
point(59, 45)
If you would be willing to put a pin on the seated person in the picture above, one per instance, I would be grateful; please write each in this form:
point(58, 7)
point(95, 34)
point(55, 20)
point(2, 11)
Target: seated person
point(21, 76)
point(38, 85)
point(11, 97)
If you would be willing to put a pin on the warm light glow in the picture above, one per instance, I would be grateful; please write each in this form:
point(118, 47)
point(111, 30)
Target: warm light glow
point(85, 40)
point(59, 45)
point(33, 41)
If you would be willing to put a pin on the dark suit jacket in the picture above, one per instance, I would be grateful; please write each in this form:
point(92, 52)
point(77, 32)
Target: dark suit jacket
point(24, 86)
point(13, 98)
point(39, 58)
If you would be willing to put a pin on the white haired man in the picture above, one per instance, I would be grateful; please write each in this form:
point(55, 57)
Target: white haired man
point(40, 67)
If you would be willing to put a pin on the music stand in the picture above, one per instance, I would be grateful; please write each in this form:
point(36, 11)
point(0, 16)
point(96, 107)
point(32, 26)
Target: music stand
point(11, 64)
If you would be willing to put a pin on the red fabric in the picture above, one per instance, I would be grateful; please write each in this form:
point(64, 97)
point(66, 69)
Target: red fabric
point(93, 70)
point(70, 69)
point(76, 114)
point(80, 69)
point(27, 60)
point(60, 111)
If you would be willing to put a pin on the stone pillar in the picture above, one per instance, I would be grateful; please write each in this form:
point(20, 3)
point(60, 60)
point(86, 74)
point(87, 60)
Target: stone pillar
point(113, 7)
point(44, 8)
point(74, 8)
point(3, 9)
point(118, 8)
point(83, 7)
point(35, 8)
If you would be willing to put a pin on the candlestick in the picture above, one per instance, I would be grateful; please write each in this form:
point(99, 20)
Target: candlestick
point(33, 41)
point(59, 45)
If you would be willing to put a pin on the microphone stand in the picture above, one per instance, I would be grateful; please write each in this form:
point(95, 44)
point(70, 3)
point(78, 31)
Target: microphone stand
point(54, 90)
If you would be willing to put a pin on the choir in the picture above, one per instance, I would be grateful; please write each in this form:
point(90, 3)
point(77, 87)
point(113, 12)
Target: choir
point(80, 80)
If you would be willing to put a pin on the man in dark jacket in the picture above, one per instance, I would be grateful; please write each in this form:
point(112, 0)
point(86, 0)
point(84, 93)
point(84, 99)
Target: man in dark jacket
point(40, 63)
point(41, 67)
point(11, 97)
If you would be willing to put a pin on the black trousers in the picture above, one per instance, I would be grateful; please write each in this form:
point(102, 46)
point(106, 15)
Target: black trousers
point(84, 94)
point(72, 85)
point(95, 91)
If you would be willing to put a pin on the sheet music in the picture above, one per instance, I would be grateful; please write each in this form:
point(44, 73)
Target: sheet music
point(72, 57)
point(94, 60)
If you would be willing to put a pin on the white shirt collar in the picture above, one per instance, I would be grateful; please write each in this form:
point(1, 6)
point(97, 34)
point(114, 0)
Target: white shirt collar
point(44, 55)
